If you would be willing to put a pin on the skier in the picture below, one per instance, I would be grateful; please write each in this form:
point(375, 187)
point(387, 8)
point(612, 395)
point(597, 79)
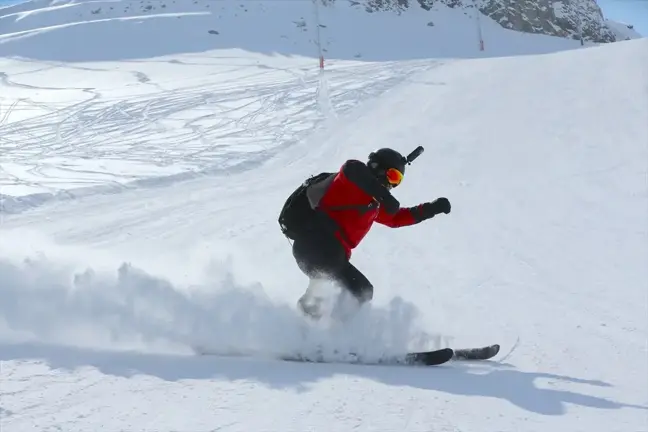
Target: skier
point(331, 213)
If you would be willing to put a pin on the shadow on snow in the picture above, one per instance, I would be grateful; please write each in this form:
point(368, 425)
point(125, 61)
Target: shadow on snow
point(492, 380)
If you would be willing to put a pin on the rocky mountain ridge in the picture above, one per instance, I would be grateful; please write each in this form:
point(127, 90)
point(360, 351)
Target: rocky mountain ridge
point(574, 19)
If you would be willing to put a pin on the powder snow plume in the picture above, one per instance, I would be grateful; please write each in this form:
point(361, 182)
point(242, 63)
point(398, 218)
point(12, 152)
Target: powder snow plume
point(65, 295)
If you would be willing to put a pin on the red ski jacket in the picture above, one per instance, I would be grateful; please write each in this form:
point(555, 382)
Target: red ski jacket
point(354, 199)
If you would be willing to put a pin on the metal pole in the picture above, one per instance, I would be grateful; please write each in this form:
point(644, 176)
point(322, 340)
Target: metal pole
point(319, 43)
point(479, 29)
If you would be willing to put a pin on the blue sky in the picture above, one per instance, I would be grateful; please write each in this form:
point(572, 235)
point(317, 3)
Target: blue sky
point(631, 11)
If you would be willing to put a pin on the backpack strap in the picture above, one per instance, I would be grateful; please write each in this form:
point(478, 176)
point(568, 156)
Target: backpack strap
point(362, 209)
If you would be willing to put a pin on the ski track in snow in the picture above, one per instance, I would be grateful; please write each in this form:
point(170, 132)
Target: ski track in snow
point(186, 129)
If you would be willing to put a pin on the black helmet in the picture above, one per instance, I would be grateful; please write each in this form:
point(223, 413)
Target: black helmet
point(382, 160)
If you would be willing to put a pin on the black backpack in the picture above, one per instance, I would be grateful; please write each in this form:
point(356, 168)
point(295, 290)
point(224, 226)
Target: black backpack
point(299, 210)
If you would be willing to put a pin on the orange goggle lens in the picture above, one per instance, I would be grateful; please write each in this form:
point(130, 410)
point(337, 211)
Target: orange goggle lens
point(394, 177)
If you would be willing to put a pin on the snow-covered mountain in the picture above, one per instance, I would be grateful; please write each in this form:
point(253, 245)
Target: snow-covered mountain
point(623, 31)
point(65, 30)
point(145, 154)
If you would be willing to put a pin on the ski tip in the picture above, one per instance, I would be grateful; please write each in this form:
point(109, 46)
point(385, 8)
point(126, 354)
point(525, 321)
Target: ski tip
point(493, 350)
point(483, 353)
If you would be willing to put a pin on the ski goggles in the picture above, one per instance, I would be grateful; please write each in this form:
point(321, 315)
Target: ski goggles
point(394, 177)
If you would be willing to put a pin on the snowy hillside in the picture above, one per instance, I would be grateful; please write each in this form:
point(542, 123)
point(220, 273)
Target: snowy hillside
point(124, 30)
point(142, 216)
point(145, 154)
point(623, 31)
point(62, 90)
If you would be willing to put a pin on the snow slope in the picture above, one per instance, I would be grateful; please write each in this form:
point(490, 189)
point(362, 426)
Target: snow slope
point(545, 252)
point(123, 30)
point(139, 218)
point(97, 95)
point(623, 30)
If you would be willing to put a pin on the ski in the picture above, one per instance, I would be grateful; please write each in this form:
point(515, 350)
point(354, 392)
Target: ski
point(482, 353)
point(437, 357)
point(421, 358)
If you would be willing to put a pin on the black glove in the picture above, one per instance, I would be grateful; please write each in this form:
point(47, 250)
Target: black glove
point(431, 209)
point(439, 205)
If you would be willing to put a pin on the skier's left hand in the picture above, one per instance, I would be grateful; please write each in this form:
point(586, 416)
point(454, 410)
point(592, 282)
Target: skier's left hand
point(441, 205)
point(431, 209)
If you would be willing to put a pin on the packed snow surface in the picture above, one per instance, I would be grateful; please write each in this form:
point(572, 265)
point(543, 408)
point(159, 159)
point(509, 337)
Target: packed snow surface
point(139, 207)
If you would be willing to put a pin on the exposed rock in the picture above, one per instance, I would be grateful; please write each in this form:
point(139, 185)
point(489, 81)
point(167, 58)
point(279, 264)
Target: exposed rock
point(575, 19)
point(566, 18)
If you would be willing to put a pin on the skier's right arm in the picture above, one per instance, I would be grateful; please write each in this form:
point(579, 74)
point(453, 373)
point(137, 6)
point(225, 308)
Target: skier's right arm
point(358, 173)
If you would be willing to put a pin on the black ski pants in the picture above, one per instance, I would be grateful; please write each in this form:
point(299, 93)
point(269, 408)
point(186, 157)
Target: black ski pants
point(319, 254)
